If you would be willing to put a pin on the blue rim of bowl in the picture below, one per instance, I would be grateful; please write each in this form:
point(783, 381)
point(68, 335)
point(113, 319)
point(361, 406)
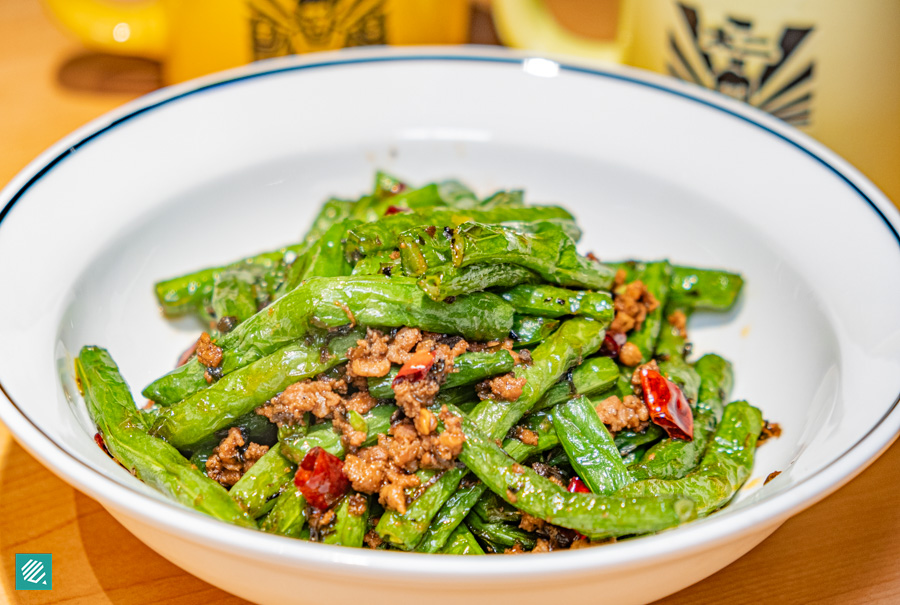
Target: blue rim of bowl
point(718, 104)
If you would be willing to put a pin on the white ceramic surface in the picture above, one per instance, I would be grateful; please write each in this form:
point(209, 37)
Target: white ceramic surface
point(233, 164)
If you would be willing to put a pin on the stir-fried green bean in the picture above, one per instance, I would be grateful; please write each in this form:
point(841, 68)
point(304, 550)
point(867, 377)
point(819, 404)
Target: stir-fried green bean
point(528, 330)
point(546, 250)
point(383, 234)
point(725, 467)
point(589, 446)
point(152, 460)
point(333, 303)
point(552, 301)
point(493, 271)
point(462, 542)
point(264, 480)
point(288, 515)
point(188, 422)
point(591, 377)
point(704, 289)
point(349, 525)
point(675, 458)
point(593, 515)
point(467, 369)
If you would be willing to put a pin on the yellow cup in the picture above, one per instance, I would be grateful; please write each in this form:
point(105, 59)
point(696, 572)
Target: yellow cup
point(825, 66)
point(196, 37)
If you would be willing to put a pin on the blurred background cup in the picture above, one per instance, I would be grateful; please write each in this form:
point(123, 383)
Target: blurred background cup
point(197, 37)
point(828, 67)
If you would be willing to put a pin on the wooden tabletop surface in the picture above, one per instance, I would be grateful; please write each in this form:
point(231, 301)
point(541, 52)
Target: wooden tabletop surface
point(843, 550)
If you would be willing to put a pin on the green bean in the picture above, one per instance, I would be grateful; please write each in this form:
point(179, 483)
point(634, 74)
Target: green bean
point(377, 264)
point(335, 302)
point(448, 281)
point(556, 457)
point(491, 508)
point(545, 249)
point(457, 195)
point(462, 542)
point(406, 530)
point(192, 292)
point(704, 289)
point(630, 441)
point(426, 197)
point(634, 456)
point(190, 421)
point(539, 423)
point(468, 368)
point(671, 342)
point(332, 212)
point(296, 441)
point(574, 340)
point(152, 460)
point(253, 428)
point(465, 397)
point(594, 515)
point(451, 194)
point(684, 375)
point(396, 302)
point(234, 294)
point(386, 185)
point(364, 209)
point(201, 454)
point(589, 446)
point(675, 458)
point(716, 382)
point(500, 534)
point(514, 198)
point(457, 506)
point(188, 293)
point(326, 257)
point(349, 527)
point(726, 465)
point(383, 234)
point(591, 377)
point(528, 330)
point(551, 301)
point(449, 517)
point(288, 515)
point(264, 480)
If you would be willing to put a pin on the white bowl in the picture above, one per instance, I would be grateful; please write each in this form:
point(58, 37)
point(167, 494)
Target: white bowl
point(230, 165)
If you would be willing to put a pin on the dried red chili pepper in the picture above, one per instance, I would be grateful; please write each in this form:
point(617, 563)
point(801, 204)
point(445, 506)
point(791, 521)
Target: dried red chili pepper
point(99, 439)
point(612, 343)
point(188, 353)
point(577, 486)
point(415, 368)
point(667, 405)
point(394, 210)
point(320, 478)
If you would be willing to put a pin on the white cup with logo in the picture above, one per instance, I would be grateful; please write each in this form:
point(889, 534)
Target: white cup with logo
point(825, 66)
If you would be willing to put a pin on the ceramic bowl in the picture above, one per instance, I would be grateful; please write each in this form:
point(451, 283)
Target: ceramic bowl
point(226, 166)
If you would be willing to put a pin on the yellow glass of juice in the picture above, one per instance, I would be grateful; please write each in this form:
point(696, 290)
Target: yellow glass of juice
point(197, 37)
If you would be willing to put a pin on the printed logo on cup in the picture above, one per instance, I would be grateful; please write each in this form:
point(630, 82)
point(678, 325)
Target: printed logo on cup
point(737, 57)
point(34, 571)
point(279, 30)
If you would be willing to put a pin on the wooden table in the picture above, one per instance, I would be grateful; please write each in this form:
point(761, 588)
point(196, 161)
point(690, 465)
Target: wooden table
point(843, 550)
